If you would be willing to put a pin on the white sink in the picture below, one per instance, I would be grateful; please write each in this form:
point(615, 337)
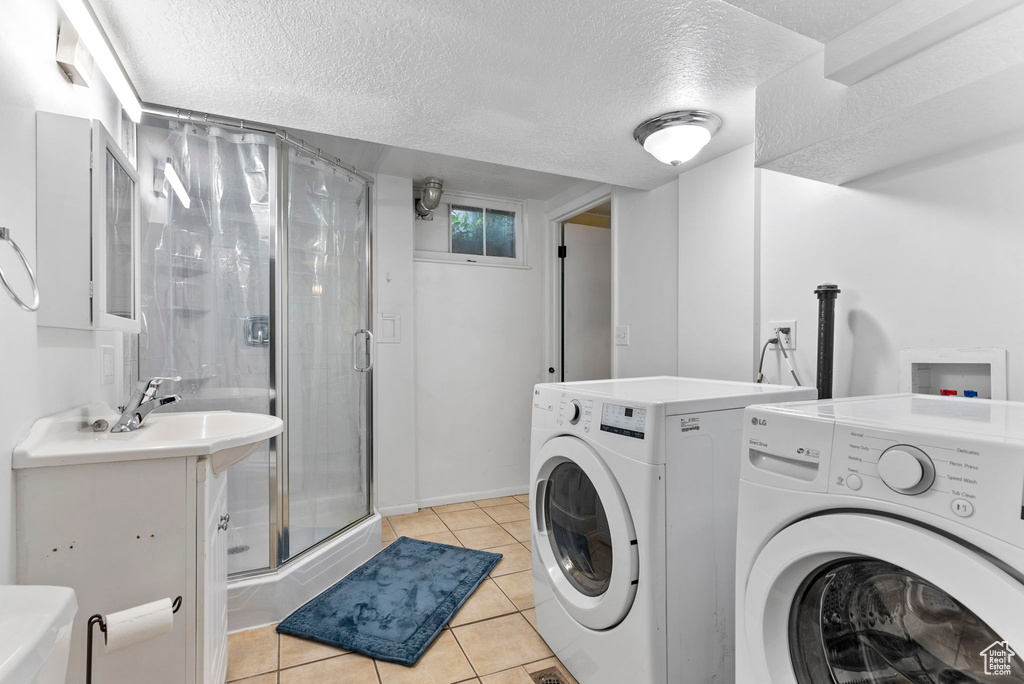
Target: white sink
point(35, 633)
point(67, 438)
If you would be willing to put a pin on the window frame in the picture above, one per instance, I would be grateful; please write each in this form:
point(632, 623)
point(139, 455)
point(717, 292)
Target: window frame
point(485, 203)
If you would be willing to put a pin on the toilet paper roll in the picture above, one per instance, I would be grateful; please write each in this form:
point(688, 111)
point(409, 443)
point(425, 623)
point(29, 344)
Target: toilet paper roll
point(140, 623)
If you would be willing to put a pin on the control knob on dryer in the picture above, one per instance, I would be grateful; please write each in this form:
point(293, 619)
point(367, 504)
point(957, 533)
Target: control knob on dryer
point(906, 469)
point(577, 412)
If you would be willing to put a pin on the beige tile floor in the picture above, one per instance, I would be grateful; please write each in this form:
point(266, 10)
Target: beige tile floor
point(491, 640)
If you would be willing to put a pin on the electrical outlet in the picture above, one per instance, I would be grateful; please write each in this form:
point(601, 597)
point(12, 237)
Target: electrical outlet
point(622, 335)
point(108, 365)
point(788, 341)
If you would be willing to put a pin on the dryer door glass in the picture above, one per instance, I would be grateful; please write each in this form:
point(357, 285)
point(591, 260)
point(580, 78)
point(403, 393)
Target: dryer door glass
point(578, 530)
point(866, 621)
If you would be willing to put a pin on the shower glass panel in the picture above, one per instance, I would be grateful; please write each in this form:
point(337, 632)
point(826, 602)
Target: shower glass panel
point(327, 397)
point(206, 282)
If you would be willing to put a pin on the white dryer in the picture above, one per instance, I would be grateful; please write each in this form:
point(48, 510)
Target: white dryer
point(633, 504)
point(881, 539)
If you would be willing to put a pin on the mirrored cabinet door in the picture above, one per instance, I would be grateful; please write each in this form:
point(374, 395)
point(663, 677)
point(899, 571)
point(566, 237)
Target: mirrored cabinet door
point(115, 237)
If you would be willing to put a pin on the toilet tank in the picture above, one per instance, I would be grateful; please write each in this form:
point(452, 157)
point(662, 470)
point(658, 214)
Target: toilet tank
point(35, 633)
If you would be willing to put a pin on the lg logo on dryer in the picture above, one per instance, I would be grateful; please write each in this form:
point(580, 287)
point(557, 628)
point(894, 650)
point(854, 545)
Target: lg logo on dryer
point(758, 421)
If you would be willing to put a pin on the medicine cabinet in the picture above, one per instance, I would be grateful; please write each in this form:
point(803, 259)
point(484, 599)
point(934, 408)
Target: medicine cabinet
point(87, 223)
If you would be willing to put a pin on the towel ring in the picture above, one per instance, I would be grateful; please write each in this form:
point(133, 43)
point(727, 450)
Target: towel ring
point(5, 234)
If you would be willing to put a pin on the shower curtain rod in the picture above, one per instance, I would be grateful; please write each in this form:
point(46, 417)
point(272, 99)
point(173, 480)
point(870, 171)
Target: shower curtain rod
point(212, 119)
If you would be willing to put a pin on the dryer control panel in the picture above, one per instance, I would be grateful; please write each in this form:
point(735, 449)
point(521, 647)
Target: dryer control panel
point(630, 421)
point(573, 411)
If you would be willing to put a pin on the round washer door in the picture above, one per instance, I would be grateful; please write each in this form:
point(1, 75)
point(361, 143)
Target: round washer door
point(859, 598)
point(585, 535)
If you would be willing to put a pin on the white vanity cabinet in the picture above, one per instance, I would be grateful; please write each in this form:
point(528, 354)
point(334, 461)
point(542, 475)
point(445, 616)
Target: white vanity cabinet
point(124, 533)
point(212, 575)
point(87, 227)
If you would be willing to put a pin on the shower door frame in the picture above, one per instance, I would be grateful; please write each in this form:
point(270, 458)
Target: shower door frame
point(279, 473)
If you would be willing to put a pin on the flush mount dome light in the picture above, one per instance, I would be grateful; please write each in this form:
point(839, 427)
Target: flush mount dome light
point(676, 138)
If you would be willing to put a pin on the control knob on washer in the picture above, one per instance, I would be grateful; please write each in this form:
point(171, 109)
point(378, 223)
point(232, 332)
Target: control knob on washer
point(906, 469)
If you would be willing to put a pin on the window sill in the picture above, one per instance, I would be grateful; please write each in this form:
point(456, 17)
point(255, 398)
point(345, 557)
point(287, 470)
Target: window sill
point(461, 262)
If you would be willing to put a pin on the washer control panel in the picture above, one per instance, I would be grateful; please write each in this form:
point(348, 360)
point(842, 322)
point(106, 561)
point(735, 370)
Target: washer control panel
point(961, 463)
point(956, 479)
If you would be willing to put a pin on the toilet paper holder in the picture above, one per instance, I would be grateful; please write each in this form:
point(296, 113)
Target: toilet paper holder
point(97, 619)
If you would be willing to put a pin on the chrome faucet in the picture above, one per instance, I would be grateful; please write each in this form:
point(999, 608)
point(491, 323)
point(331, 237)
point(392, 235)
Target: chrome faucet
point(143, 402)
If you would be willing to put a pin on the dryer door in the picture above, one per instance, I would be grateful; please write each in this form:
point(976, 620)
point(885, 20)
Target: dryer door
point(585, 535)
point(860, 598)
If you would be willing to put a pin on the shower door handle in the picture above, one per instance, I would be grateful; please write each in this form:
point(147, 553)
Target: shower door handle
point(370, 352)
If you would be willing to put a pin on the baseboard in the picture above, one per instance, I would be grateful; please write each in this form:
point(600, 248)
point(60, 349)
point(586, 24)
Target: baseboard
point(473, 496)
point(385, 511)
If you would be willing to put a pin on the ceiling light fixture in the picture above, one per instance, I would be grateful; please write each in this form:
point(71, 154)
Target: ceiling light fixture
point(676, 138)
point(84, 20)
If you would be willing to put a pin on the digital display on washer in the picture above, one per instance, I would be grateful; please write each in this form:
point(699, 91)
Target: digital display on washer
point(623, 420)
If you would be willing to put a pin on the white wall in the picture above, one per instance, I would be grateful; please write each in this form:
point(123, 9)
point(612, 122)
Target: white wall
point(587, 297)
point(645, 234)
point(927, 255)
point(718, 266)
point(394, 375)
point(480, 341)
point(41, 370)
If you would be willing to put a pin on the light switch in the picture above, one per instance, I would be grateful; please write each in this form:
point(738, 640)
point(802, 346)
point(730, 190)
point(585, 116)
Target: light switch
point(108, 364)
point(390, 330)
point(622, 335)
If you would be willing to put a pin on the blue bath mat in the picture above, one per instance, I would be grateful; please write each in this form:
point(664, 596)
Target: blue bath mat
point(393, 606)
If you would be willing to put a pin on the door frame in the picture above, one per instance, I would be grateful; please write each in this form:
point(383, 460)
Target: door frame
point(553, 280)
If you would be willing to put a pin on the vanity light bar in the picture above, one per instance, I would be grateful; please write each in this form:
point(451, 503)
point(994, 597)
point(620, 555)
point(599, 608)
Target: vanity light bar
point(179, 188)
point(81, 16)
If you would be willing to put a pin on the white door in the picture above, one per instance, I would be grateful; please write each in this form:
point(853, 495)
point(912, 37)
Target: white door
point(852, 597)
point(584, 534)
point(587, 301)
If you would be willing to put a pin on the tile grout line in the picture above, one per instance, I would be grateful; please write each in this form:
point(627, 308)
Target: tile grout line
point(464, 654)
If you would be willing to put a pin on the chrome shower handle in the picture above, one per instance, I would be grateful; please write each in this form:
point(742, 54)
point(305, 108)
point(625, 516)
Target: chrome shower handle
point(370, 351)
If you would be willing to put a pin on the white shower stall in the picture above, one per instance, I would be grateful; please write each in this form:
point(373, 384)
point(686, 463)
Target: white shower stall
point(255, 296)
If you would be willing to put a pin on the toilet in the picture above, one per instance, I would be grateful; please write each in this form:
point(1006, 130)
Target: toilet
point(35, 633)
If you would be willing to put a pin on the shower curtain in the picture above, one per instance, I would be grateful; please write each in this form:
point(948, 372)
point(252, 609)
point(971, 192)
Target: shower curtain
point(206, 284)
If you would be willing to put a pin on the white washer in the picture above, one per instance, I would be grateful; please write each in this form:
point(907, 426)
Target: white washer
point(633, 503)
point(881, 539)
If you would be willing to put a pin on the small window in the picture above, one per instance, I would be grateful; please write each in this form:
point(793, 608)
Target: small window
point(473, 229)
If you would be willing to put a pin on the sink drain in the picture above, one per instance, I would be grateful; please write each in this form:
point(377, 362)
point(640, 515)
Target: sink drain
point(235, 550)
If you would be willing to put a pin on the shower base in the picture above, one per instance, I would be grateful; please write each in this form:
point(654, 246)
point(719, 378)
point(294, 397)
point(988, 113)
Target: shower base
point(269, 598)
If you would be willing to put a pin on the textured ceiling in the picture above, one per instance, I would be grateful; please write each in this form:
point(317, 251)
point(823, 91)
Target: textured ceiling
point(821, 20)
point(549, 86)
point(463, 175)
